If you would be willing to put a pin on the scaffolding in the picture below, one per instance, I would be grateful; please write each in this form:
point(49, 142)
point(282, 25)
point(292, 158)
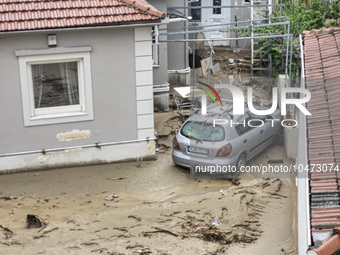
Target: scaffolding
point(254, 23)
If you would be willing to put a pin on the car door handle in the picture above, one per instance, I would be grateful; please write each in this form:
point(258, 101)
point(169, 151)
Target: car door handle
point(261, 131)
point(244, 141)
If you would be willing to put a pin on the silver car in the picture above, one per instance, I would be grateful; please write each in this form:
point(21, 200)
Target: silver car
point(221, 139)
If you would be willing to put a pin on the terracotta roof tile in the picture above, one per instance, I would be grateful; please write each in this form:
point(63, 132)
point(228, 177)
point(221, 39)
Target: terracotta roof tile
point(320, 32)
point(16, 15)
point(329, 247)
point(322, 60)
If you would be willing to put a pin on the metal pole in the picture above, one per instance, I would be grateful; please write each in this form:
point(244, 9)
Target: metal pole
point(229, 23)
point(286, 64)
point(96, 145)
point(236, 33)
point(287, 49)
point(224, 6)
point(193, 72)
point(210, 60)
point(291, 56)
point(227, 28)
point(228, 39)
point(283, 43)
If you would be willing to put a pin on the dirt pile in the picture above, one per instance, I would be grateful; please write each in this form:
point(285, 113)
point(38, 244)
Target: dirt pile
point(167, 124)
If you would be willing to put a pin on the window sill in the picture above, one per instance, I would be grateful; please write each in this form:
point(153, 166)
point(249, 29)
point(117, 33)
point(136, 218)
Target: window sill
point(47, 119)
point(156, 66)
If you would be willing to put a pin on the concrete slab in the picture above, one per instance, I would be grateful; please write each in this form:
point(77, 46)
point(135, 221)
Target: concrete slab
point(216, 68)
point(205, 66)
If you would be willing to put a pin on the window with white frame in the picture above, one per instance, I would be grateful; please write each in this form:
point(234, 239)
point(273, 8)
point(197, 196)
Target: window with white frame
point(56, 85)
point(217, 3)
point(195, 13)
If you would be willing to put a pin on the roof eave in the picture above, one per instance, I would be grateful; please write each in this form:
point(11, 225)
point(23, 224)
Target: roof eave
point(100, 26)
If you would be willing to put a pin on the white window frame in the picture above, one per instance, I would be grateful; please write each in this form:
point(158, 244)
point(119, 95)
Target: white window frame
point(61, 114)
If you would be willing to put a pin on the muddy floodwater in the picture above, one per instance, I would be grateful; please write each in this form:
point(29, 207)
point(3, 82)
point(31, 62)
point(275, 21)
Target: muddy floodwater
point(158, 209)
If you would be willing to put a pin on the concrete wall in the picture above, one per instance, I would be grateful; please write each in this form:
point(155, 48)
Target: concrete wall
point(115, 102)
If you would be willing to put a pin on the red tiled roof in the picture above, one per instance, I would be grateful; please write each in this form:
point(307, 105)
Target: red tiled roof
point(329, 247)
point(322, 60)
point(18, 15)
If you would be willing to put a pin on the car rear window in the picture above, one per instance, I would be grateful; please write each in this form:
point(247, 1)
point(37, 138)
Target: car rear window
point(202, 131)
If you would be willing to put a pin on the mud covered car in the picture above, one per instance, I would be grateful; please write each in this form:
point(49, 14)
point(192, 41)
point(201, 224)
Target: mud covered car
point(220, 138)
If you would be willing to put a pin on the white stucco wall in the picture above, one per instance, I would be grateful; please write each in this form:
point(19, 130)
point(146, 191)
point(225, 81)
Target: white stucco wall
point(121, 71)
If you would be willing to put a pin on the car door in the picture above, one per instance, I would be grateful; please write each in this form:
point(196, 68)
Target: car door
point(266, 132)
point(248, 135)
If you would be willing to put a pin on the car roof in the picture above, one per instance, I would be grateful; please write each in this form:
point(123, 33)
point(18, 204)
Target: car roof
point(224, 111)
point(215, 111)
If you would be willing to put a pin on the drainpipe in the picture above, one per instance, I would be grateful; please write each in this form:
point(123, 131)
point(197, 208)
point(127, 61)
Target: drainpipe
point(156, 54)
point(161, 88)
point(181, 71)
point(180, 19)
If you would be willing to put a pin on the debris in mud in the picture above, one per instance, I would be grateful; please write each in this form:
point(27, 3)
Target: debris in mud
point(216, 68)
point(43, 235)
point(276, 195)
point(275, 161)
point(276, 184)
point(8, 233)
point(144, 251)
point(34, 221)
point(244, 238)
point(212, 234)
point(135, 217)
point(235, 181)
point(116, 179)
point(8, 198)
point(252, 82)
point(111, 197)
point(223, 192)
point(158, 230)
point(216, 222)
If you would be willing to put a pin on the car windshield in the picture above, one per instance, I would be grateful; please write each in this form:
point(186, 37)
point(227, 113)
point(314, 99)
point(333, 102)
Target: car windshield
point(202, 131)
